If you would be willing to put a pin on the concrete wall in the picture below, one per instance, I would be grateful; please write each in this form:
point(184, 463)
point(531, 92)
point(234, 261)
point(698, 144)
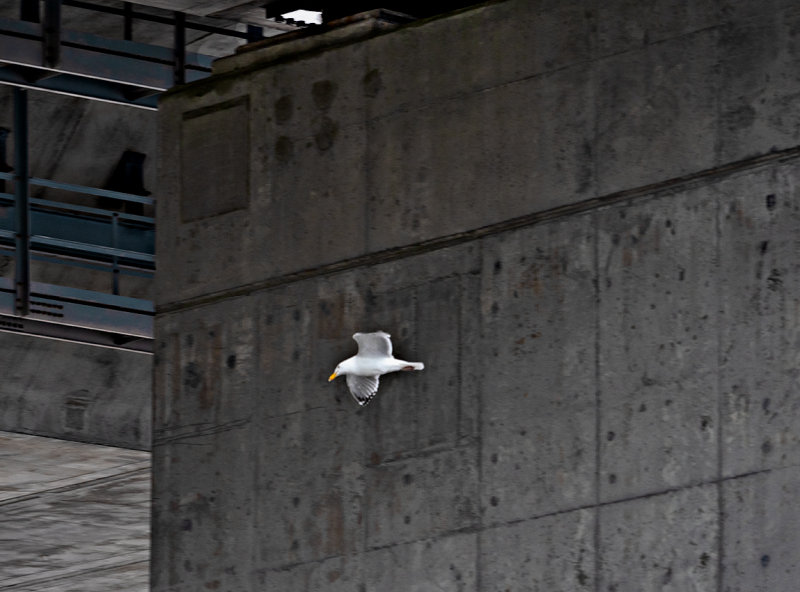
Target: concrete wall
point(583, 220)
point(75, 392)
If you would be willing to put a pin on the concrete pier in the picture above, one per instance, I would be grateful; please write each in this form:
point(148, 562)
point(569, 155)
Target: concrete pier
point(583, 220)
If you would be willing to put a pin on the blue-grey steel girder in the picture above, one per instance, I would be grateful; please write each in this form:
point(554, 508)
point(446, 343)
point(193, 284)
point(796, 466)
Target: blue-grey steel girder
point(89, 66)
point(22, 230)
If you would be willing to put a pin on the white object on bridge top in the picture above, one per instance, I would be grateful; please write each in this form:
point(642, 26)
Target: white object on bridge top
point(373, 359)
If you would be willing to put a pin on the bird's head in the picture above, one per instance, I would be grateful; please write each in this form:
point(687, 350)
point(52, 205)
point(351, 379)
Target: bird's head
point(336, 373)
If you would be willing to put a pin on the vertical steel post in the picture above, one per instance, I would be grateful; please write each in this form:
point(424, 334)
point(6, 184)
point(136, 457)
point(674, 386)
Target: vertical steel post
point(179, 49)
point(254, 33)
point(22, 265)
point(29, 10)
point(115, 259)
point(52, 33)
point(4, 166)
point(127, 15)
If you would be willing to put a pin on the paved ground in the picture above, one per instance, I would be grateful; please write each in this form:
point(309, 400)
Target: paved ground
point(73, 517)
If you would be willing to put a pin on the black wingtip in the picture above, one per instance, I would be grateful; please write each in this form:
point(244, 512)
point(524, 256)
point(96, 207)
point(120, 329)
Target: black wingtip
point(365, 402)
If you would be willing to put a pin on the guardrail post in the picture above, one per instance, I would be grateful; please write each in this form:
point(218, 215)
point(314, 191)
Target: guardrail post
point(115, 259)
point(127, 23)
point(29, 10)
point(52, 33)
point(22, 264)
point(179, 48)
point(4, 166)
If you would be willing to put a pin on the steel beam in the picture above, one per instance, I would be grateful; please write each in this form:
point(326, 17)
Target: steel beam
point(116, 71)
point(22, 232)
point(179, 49)
point(51, 34)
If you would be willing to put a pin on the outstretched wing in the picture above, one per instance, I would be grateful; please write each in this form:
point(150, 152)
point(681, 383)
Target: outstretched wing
point(363, 388)
point(375, 344)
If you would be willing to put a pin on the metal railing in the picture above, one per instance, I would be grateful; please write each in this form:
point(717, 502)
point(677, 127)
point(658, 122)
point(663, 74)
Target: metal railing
point(67, 233)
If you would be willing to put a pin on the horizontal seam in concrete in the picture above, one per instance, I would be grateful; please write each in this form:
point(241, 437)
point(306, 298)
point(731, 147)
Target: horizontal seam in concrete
point(633, 498)
point(452, 240)
point(478, 529)
point(423, 453)
point(75, 486)
point(209, 431)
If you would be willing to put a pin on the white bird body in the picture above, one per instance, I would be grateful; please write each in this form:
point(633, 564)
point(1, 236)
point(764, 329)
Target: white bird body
point(374, 359)
point(371, 366)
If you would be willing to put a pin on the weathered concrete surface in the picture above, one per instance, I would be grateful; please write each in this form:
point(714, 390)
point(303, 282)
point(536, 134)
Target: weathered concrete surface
point(76, 392)
point(554, 113)
point(74, 516)
point(609, 396)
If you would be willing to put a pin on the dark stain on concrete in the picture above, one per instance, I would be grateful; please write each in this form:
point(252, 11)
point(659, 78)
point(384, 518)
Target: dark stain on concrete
point(192, 377)
point(372, 83)
point(326, 134)
point(283, 109)
point(324, 92)
point(284, 149)
point(774, 281)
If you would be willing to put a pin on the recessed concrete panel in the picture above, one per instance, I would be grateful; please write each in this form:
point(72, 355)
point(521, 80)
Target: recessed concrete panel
point(203, 510)
point(652, 22)
point(656, 112)
point(425, 325)
point(660, 543)
point(760, 330)
point(549, 36)
point(762, 519)
point(658, 344)
point(422, 497)
point(215, 160)
point(538, 417)
point(529, 150)
point(338, 574)
point(202, 513)
point(759, 81)
point(553, 553)
point(203, 360)
point(443, 564)
point(316, 512)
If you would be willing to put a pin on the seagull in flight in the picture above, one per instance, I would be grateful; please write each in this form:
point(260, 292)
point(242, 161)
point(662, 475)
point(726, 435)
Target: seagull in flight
point(374, 358)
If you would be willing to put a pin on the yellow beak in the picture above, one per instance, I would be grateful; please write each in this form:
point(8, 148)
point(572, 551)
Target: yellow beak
point(334, 375)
